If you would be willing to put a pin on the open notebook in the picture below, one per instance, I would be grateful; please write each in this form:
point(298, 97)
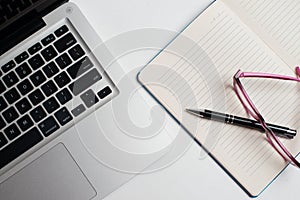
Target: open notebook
point(195, 71)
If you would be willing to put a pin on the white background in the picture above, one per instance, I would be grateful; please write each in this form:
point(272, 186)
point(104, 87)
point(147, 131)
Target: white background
point(190, 177)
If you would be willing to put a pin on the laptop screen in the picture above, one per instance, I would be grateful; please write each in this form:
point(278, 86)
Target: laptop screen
point(21, 18)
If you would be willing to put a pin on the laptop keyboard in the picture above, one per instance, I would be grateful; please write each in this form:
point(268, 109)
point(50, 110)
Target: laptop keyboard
point(10, 8)
point(36, 86)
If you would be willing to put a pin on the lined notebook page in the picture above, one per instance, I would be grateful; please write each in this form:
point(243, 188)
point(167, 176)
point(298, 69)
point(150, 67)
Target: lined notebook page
point(277, 22)
point(196, 70)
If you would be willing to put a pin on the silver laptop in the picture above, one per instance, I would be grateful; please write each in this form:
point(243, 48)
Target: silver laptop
point(64, 127)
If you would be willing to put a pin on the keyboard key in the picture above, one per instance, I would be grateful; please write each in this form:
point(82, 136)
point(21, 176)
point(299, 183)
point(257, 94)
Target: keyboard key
point(47, 40)
point(3, 104)
point(80, 67)
point(9, 12)
point(23, 106)
point(12, 96)
point(48, 126)
point(20, 58)
point(85, 82)
point(12, 132)
point(38, 114)
point(89, 98)
point(2, 123)
point(2, 87)
point(25, 87)
point(49, 53)
point(76, 52)
point(62, 30)
point(25, 123)
point(10, 115)
point(21, 5)
point(65, 42)
point(8, 66)
point(36, 97)
point(3, 140)
point(50, 69)
point(63, 61)
point(104, 92)
point(63, 116)
point(78, 110)
point(62, 79)
point(36, 62)
point(35, 48)
point(51, 105)
point(10, 79)
point(49, 88)
point(23, 70)
point(19, 146)
point(64, 96)
point(38, 78)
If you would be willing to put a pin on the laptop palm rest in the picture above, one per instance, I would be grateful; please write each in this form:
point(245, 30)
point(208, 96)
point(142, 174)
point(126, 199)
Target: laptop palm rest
point(53, 176)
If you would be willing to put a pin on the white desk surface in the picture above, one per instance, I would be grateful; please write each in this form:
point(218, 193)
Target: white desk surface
point(190, 177)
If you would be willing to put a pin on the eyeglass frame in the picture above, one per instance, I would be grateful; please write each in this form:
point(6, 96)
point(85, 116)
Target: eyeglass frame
point(283, 151)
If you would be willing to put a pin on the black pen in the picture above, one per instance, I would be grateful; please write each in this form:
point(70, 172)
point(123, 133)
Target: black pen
point(280, 131)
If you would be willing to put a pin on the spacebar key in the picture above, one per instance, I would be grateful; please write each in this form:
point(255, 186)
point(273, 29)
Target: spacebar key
point(85, 82)
point(19, 146)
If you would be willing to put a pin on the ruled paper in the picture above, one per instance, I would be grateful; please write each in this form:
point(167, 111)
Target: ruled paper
point(278, 20)
point(199, 75)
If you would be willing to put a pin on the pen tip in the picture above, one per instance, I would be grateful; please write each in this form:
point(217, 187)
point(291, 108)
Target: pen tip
point(189, 110)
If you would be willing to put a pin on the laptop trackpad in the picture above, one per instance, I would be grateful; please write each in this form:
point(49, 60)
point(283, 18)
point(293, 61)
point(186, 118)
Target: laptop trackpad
point(53, 176)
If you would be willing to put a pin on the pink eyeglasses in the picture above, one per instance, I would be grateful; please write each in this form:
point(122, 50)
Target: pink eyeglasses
point(253, 111)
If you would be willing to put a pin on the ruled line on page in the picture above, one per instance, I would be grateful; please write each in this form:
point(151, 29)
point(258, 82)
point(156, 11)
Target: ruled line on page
point(280, 19)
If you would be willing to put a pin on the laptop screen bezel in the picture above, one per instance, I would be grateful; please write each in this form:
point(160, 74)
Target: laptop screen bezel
point(14, 32)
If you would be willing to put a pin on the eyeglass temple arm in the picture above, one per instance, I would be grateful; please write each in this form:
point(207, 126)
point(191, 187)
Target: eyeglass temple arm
point(240, 74)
